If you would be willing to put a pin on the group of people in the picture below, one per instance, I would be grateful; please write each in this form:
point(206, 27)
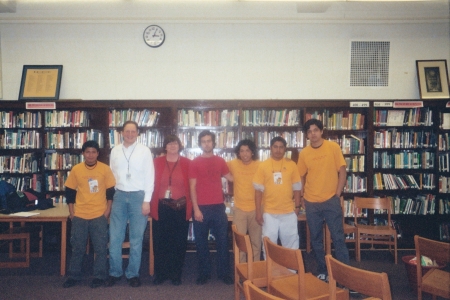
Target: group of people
point(173, 189)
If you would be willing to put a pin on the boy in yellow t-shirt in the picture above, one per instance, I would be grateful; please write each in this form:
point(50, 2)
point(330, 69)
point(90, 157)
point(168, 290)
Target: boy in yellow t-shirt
point(89, 193)
point(243, 168)
point(277, 184)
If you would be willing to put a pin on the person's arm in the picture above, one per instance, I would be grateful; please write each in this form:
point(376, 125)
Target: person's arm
point(229, 177)
point(109, 197)
point(297, 187)
point(71, 195)
point(259, 189)
point(341, 180)
point(149, 180)
point(198, 216)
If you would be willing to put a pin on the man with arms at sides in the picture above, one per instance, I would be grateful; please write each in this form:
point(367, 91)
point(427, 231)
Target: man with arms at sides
point(205, 173)
point(243, 168)
point(89, 193)
point(132, 165)
point(322, 168)
point(277, 184)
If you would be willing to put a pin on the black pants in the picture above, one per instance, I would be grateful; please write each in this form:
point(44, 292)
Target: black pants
point(169, 242)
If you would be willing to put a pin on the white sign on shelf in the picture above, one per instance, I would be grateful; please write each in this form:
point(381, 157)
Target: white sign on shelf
point(383, 104)
point(359, 104)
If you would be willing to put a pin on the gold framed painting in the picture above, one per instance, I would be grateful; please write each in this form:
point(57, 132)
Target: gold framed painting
point(40, 82)
point(433, 79)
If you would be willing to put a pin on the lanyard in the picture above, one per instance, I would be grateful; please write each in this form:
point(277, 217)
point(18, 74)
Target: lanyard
point(171, 171)
point(128, 158)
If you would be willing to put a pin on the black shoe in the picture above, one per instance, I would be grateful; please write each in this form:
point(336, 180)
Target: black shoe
point(96, 282)
point(176, 282)
point(70, 283)
point(227, 280)
point(134, 281)
point(158, 280)
point(202, 279)
point(112, 280)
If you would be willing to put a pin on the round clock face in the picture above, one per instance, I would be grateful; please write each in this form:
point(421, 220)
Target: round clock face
point(154, 36)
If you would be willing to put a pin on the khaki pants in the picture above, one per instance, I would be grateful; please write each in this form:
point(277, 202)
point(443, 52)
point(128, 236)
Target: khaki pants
point(245, 222)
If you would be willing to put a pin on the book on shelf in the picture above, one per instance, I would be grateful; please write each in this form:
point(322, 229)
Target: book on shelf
point(395, 118)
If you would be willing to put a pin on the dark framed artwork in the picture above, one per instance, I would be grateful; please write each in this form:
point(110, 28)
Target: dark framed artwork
point(40, 82)
point(433, 79)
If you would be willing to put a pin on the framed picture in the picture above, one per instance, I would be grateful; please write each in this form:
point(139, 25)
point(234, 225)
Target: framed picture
point(41, 82)
point(433, 79)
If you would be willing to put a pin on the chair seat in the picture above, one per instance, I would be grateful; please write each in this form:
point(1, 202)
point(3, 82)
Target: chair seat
point(287, 288)
point(259, 277)
point(369, 229)
point(437, 282)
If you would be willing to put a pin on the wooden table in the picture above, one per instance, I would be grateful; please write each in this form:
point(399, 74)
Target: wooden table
point(59, 213)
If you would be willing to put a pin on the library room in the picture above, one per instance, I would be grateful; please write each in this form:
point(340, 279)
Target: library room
point(256, 87)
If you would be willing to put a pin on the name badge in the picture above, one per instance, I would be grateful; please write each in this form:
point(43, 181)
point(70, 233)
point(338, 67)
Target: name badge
point(93, 185)
point(277, 178)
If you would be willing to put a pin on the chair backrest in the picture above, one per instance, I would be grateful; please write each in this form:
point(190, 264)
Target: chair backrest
point(365, 282)
point(241, 242)
point(288, 258)
point(372, 203)
point(252, 292)
point(435, 250)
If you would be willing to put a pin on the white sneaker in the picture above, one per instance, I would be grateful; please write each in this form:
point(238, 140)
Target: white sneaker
point(323, 277)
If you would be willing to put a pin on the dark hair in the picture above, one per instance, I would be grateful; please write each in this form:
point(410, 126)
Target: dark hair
point(310, 122)
point(172, 138)
point(130, 122)
point(90, 144)
point(278, 139)
point(205, 133)
point(250, 144)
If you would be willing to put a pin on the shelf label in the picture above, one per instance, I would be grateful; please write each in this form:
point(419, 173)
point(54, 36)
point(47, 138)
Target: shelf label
point(40, 105)
point(383, 104)
point(359, 104)
point(408, 104)
point(447, 105)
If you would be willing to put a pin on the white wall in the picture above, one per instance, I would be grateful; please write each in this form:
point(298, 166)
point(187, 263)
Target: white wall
point(271, 54)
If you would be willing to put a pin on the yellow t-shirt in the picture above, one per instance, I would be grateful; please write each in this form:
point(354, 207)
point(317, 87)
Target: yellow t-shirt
point(91, 186)
point(321, 166)
point(244, 193)
point(278, 193)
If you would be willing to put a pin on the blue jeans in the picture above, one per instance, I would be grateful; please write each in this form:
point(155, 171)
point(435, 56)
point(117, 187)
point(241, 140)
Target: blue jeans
point(126, 208)
point(97, 230)
point(214, 218)
point(329, 211)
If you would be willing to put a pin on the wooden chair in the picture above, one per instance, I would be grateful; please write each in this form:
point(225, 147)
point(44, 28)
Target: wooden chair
point(435, 281)
point(256, 271)
point(298, 285)
point(374, 234)
point(252, 292)
point(368, 283)
point(10, 235)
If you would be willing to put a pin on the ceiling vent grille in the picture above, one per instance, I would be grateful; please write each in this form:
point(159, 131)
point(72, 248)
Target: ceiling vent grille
point(369, 63)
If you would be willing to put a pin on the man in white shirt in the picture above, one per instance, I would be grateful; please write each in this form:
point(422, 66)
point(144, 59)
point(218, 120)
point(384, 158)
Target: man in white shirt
point(132, 166)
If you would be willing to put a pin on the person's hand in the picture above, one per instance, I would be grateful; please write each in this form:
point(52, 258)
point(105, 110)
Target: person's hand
point(259, 219)
point(107, 212)
point(198, 216)
point(145, 208)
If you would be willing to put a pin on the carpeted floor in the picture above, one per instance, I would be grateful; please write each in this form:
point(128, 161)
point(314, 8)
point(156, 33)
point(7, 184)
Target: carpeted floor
point(42, 280)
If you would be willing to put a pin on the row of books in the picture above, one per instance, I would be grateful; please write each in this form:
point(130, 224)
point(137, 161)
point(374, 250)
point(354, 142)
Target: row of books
point(55, 181)
point(224, 138)
point(190, 117)
point(20, 139)
point(407, 159)
point(350, 144)
point(152, 138)
point(144, 117)
point(443, 142)
point(61, 161)
point(22, 183)
point(342, 120)
point(422, 181)
point(444, 162)
point(355, 163)
point(355, 184)
point(419, 116)
point(266, 117)
point(393, 138)
point(66, 118)
point(72, 140)
point(444, 232)
point(294, 139)
point(26, 163)
point(445, 120)
point(27, 119)
point(444, 184)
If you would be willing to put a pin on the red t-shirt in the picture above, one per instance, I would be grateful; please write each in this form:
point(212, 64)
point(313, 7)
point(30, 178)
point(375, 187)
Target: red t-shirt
point(208, 171)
